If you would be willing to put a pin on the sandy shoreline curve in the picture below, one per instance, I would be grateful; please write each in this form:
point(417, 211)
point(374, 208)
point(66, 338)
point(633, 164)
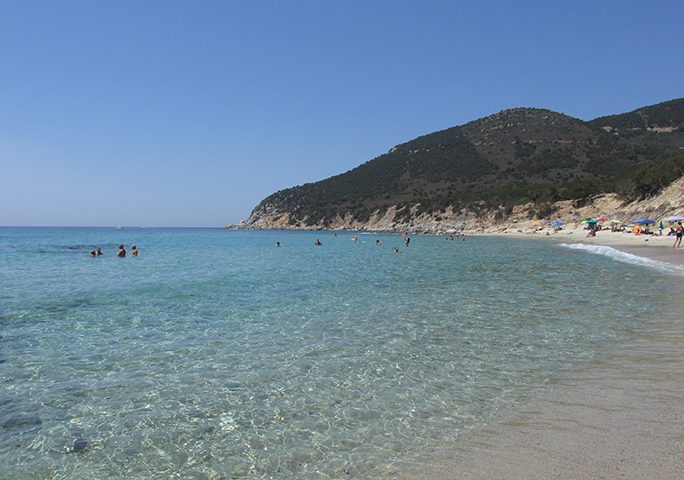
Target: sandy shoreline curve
point(621, 418)
point(654, 247)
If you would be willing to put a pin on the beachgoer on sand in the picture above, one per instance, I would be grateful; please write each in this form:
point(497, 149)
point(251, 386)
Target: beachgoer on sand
point(679, 231)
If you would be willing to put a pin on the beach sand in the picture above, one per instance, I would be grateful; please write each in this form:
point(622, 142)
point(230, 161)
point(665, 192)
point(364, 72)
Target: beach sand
point(623, 418)
point(649, 246)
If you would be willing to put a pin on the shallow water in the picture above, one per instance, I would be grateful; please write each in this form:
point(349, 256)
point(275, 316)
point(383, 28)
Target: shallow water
point(215, 354)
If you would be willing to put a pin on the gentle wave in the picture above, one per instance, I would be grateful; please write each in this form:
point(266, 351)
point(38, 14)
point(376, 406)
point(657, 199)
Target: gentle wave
point(625, 257)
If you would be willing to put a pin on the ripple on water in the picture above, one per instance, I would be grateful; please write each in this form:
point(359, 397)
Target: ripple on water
point(221, 356)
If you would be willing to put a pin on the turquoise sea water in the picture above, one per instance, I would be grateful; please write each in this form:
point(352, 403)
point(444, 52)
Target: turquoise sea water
point(215, 354)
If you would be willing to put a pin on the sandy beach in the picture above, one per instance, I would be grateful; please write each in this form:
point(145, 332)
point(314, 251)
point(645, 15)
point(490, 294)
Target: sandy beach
point(623, 418)
point(650, 246)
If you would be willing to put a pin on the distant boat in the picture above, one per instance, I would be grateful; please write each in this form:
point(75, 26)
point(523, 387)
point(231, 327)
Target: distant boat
point(119, 227)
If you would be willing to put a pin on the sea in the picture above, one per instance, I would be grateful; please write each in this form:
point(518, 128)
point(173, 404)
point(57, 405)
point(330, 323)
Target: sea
point(216, 354)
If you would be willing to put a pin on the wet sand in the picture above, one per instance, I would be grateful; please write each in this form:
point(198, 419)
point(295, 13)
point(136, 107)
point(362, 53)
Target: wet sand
point(649, 246)
point(622, 418)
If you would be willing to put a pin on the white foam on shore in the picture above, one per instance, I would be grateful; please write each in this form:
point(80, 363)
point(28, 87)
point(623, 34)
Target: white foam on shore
point(625, 257)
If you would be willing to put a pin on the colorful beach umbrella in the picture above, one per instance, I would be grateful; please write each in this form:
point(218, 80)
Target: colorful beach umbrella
point(602, 219)
point(615, 222)
point(589, 222)
point(557, 223)
point(674, 219)
point(643, 221)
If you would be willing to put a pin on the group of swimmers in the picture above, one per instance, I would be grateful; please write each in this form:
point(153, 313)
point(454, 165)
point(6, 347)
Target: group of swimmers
point(121, 253)
point(378, 242)
point(317, 243)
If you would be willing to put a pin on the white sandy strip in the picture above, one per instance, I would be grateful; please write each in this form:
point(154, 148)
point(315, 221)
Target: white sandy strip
point(625, 257)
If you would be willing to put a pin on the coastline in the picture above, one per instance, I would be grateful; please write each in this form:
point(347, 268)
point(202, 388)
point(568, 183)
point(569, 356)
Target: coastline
point(619, 418)
point(647, 246)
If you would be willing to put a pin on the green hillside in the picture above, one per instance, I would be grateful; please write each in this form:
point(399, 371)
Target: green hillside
point(512, 157)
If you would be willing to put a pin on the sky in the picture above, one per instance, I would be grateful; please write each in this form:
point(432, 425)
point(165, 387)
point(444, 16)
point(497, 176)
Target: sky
point(187, 113)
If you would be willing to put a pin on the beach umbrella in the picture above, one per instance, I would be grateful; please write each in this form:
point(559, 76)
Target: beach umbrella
point(643, 221)
point(674, 219)
point(615, 222)
point(557, 223)
point(602, 219)
point(590, 222)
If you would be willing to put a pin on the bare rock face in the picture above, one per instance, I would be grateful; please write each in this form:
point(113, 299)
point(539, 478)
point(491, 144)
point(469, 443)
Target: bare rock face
point(669, 202)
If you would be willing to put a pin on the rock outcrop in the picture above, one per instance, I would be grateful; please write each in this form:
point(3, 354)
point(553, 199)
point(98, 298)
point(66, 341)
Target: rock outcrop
point(669, 202)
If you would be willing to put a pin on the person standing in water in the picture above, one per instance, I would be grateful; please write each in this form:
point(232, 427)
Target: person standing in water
point(317, 243)
point(134, 251)
point(122, 252)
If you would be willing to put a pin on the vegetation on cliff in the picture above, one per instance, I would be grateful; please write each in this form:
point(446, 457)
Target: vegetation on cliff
point(513, 157)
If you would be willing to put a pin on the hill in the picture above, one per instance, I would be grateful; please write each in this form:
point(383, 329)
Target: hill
point(513, 157)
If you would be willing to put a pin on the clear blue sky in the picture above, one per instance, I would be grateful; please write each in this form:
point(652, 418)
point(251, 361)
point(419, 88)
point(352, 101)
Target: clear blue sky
point(188, 113)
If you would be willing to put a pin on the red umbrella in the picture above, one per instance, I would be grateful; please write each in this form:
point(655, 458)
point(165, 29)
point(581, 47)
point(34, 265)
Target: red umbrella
point(602, 219)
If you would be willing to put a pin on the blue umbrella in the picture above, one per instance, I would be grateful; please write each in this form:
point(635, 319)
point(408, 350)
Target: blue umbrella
point(674, 219)
point(643, 221)
point(557, 223)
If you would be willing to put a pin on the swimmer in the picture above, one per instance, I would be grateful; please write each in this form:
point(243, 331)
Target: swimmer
point(378, 242)
point(93, 253)
point(277, 244)
point(318, 243)
point(134, 251)
point(122, 252)
point(98, 252)
point(396, 249)
point(408, 240)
